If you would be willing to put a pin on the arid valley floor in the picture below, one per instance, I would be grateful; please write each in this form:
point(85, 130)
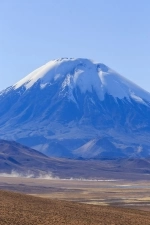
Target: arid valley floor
point(116, 202)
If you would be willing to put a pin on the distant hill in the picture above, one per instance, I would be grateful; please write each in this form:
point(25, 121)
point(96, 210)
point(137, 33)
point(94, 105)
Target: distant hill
point(17, 159)
point(14, 156)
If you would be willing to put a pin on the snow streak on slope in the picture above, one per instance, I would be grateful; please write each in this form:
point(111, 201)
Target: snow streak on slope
point(86, 75)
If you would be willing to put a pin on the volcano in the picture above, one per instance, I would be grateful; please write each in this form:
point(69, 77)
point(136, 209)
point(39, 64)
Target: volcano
point(77, 108)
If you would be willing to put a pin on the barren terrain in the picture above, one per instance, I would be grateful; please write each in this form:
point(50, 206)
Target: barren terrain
point(19, 209)
point(122, 193)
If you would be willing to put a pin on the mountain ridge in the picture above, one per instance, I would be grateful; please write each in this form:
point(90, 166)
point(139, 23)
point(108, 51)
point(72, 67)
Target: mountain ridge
point(17, 160)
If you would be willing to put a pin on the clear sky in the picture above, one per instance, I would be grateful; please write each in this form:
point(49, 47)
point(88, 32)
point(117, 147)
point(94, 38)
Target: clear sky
point(113, 32)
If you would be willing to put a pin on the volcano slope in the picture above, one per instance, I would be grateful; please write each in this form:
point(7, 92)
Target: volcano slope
point(77, 108)
point(23, 209)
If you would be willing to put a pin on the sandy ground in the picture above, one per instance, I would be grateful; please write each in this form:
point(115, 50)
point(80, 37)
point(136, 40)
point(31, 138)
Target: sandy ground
point(21, 209)
point(120, 193)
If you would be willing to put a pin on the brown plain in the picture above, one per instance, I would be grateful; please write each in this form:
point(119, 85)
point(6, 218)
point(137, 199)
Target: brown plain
point(120, 193)
point(21, 209)
point(118, 202)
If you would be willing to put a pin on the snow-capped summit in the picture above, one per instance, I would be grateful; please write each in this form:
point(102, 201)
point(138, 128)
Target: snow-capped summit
point(77, 108)
point(87, 75)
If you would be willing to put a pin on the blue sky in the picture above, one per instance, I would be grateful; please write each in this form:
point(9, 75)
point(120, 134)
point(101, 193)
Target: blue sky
point(114, 32)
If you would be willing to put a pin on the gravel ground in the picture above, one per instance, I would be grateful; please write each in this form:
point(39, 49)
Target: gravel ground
point(21, 209)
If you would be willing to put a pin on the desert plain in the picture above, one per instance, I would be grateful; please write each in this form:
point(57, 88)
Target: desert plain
point(68, 201)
